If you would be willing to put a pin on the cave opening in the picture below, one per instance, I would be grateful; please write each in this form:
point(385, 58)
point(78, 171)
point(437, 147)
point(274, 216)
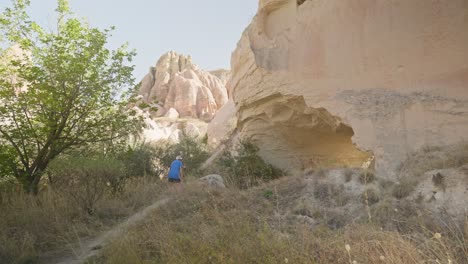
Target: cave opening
point(295, 137)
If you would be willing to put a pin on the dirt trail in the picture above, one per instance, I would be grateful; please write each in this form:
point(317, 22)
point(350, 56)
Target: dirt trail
point(93, 246)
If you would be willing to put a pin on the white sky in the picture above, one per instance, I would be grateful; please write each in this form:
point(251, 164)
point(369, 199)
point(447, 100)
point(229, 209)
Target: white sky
point(206, 29)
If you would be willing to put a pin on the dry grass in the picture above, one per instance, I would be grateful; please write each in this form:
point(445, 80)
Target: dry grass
point(370, 197)
point(348, 175)
point(404, 188)
point(226, 226)
point(288, 220)
point(427, 159)
point(31, 226)
point(367, 176)
point(439, 180)
point(432, 158)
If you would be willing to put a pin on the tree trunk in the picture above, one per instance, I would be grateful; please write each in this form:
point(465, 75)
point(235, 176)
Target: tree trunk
point(34, 188)
point(30, 182)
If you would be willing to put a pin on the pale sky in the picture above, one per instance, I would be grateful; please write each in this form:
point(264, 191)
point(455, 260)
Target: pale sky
point(206, 29)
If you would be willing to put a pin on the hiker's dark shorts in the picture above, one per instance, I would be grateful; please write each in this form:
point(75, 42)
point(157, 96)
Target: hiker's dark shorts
point(174, 180)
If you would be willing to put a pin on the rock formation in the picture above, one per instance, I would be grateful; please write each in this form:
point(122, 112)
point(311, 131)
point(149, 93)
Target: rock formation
point(213, 180)
point(222, 74)
point(14, 53)
point(170, 127)
point(223, 124)
point(177, 83)
point(329, 83)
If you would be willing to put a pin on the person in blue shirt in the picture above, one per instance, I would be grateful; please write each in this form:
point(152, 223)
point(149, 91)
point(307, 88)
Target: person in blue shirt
point(176, 174)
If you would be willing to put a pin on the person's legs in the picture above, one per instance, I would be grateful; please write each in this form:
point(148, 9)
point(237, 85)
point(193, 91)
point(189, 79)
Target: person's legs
point(174, 185)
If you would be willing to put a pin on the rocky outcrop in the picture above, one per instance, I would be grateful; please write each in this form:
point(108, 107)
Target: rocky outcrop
point(14, 54)
point(176, 82)
point(327, 83)
point(170, 128)
point(223, 124)
point(222, 74)
point(213, 180)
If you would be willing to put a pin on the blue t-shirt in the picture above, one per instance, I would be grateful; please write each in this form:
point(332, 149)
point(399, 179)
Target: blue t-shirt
point(175, 169)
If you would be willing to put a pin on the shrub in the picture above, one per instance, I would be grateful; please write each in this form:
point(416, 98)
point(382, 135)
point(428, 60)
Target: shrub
point(386, 184)
point(366, 177)
point(245, 168)
point(8, 186)
point(268, 194)
point(139, 160)
point(404, 188)
point(7, 161)
point(434, 158)
point(370, 197)
point(330, 194)
point(320, 173)
point(348, 175)
point(193, 151)
point(439, 180)
point(85, 180)
point(143, 105)
point(323, 191)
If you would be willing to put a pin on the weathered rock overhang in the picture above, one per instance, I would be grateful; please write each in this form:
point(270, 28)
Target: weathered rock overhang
point(295, 137)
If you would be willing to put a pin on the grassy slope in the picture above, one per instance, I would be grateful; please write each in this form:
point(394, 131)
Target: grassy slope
point(36, 228)
point(259, 226)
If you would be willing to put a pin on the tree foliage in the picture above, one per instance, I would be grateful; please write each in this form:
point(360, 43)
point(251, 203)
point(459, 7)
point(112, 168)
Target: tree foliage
point(193, 151)
point(86, 180)
point(59, 90)
point(243, 166)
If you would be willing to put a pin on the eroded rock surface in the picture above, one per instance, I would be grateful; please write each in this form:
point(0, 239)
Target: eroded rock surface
point(170, 128)
point(328, 82)
point(176, 82)
point(223, 124)
point(222, 74)
point(213, 180)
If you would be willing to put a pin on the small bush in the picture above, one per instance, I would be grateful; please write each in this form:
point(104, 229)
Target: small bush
point(386, 184)
point(8, 186)
point(85, 180)
point(139, 160)
point(268, 194)
point(366, 177)
point(370, 197)
point(143, 105)
point(303, 211)
point(404, 188)
point(434, 158)
point(348, 175)
point(245, 168)
point(439, 180)
point(193, 151)
point(320, 173)
point(322, 191)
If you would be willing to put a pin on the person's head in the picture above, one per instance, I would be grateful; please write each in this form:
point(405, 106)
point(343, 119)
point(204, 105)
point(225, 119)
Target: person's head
point(179, 157)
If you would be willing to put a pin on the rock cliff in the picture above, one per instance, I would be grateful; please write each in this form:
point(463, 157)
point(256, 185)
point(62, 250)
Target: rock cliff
point(222, 74)
point(322, 83)
point(176, 82)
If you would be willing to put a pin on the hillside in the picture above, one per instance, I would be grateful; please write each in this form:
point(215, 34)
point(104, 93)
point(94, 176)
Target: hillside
point(339, 135)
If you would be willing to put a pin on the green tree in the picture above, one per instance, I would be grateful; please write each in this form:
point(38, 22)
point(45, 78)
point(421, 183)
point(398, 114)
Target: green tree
point(65, 90)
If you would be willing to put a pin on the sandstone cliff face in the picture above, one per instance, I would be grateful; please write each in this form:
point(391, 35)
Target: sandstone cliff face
point(222, 74)
point(14, 53)
point(223, 124)
point(330, 82)
point(176, 82)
